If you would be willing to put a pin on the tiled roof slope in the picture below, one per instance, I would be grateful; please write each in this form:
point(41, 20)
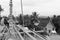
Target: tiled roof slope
point(44, 21)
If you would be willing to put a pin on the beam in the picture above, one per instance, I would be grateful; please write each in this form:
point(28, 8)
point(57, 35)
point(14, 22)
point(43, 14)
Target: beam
point(32, 31)
point(19, 34)
point(27, 33)
point(42, 36)
point(39, 36)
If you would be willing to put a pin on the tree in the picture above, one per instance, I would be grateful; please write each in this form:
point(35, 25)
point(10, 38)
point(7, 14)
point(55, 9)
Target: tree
point(26, 20)
point(20, 19)
point(34, 19)
point(56, 22)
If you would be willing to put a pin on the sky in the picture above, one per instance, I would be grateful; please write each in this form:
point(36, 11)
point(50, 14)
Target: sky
point(42, 7)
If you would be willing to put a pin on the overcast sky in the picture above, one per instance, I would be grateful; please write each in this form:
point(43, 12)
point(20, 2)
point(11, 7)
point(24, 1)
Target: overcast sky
point(42, 7)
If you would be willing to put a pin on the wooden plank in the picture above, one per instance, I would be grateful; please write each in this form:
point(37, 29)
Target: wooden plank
point(27, 33)
point(39, 31)
point(32, 31)
point(42, 36)
point(30, 36)
point(19, 34)
point(38, 36)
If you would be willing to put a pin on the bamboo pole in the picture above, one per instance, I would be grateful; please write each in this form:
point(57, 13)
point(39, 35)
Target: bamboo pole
point(39, 36)
point(22, 12)
point(27, 33)
point(19, 33)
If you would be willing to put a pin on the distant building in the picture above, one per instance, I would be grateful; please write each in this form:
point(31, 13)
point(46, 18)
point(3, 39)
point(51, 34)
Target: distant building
point(43, 22)
point(50, 28)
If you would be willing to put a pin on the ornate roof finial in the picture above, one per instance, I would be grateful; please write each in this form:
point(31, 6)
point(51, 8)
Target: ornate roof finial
point(11, 5)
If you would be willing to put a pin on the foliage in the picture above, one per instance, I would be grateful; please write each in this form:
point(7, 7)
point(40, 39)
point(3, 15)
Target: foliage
point(56, 22)
point(19, 19)
point(29, 21)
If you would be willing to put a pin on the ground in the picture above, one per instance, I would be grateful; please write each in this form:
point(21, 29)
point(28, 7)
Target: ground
point(54, 37)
